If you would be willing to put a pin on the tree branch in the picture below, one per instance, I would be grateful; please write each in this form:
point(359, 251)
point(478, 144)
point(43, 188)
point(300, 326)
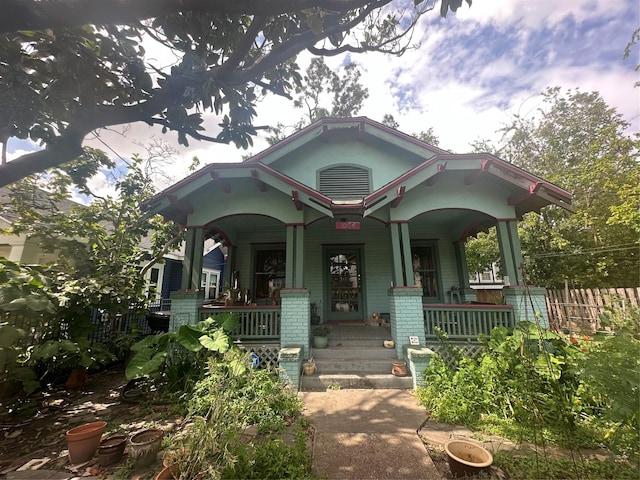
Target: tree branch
point(38, 15)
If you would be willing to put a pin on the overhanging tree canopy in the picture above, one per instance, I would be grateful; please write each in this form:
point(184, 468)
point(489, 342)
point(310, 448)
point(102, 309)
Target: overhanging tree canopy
point(70, 67)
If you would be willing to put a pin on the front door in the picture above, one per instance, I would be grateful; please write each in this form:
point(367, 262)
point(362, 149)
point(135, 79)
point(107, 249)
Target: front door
point(343, 274)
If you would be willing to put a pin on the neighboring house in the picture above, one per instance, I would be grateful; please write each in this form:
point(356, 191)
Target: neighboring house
point(349, 217)
point(23, 248)
point(487, 284)
point(163, 278)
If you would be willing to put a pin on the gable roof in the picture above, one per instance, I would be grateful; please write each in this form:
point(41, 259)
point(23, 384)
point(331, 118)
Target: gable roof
point(530, 193)
point(40, 198)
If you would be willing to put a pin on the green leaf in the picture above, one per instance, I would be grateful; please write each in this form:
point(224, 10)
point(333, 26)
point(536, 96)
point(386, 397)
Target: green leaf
point(145, 363)
point(189, 338)
point(314, 22)
point(219, 342)
point(8, 335)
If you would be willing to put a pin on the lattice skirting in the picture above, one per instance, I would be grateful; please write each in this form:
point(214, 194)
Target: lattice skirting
point(469, 350)
point(268, 354)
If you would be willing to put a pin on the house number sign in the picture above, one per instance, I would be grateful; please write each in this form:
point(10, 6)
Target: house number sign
point(347, 225)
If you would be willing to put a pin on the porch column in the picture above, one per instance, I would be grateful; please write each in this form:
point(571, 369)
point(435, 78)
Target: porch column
point(407, 316)
point(294, 330)
point(407, 320)
point(396, 259)
point(192, 263)
point(468, 294)
point(185, 306)
point(510, 252)
point(529, 304)
point(295, 255)
point(401, 251)
point(230, 265)
point(410, 280)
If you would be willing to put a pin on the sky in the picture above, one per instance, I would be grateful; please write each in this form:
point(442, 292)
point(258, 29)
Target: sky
point(471, 73)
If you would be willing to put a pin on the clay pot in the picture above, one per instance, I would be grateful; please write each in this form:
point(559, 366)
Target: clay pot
point(79, 377)
point(399, 368)
point(309, 368)
point(83, 441)
point(144, 446)
point(467, 459)
point(169, 472)
point(111, 449)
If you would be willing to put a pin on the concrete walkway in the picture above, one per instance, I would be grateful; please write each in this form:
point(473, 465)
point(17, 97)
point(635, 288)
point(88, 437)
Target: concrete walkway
point(368, 434)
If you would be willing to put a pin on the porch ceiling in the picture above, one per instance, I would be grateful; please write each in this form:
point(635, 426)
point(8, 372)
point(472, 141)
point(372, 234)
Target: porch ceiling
point(228, 228)
point(460, 223)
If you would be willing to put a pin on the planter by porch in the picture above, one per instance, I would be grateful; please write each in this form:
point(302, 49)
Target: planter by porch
point(83, 441)
point(111, 449)
point(144, 446)
point(321, 336)
point(399, 368)
point(466, 459)
point(309, 368)
point(320, 342)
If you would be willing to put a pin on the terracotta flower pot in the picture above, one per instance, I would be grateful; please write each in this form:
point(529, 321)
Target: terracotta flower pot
point(169, 472)
point(144, 446)
point(309, 368)
point(111, 449)
point(399, 368)
point(467, 459)
point(83, 441)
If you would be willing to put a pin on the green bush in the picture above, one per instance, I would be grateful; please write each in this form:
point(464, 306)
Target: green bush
point(571, 391)
point(273, 458)
point(257, 396)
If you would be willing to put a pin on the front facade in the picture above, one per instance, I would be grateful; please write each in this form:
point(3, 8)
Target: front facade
point(347, 220)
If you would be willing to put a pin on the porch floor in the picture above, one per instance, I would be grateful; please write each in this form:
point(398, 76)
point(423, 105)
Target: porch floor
point(355, 358)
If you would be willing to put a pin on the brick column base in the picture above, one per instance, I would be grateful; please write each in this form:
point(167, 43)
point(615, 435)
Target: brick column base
point(290, 360)
point(184, 308)
point(418, 359)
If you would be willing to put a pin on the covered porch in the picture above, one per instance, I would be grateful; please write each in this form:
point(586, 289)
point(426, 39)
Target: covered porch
point(349, 218)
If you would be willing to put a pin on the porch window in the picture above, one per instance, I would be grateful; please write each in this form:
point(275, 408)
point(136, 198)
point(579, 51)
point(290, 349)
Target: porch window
point(425, 272)
point(270, 269)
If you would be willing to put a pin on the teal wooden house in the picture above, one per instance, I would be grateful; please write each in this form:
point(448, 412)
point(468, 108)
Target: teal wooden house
point(348, 220)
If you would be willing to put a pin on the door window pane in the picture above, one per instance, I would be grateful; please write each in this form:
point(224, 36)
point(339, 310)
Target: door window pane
point(343, 271)
point(424, 269)
point(270, 273)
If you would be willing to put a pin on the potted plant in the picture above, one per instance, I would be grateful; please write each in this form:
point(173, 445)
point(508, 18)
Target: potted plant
point(309, 367)
point(77, 355)
point(320, 336)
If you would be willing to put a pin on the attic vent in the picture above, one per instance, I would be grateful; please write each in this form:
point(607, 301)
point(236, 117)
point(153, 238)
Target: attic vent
point(344, 181)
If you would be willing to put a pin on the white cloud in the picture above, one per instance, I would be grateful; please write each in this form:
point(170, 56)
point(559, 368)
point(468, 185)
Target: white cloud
point(473, 70)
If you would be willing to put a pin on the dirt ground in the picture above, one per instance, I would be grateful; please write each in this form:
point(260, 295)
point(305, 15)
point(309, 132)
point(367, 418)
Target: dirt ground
point(41, 434)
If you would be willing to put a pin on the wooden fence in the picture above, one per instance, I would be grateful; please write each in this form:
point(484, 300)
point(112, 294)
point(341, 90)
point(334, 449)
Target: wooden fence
point(580, 310)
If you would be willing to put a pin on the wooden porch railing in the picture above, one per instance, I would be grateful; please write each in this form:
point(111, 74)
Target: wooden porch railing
point(466, 322)
point(254, 323)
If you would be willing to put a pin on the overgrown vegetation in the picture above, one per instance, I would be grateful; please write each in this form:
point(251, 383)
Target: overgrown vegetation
point(531, 384)
point(210, 379)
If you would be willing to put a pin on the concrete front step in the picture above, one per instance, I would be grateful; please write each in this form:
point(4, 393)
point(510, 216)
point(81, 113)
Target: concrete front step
point(350, 351)
point(319, 382)
point(354, 365)
point(357, 342)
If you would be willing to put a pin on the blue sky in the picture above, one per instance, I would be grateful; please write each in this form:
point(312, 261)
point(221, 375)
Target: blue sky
point(472, 72)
